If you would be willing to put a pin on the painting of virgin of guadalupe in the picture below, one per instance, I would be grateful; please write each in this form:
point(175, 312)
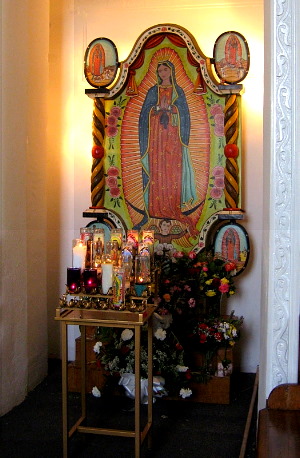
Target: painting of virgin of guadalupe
point(171, 134)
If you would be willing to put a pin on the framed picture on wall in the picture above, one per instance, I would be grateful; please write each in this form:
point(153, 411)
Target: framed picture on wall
point(231, 57)
point(100, 62)
point(231, 243)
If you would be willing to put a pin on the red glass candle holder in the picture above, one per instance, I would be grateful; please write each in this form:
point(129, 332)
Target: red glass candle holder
point(73, 279)
point(90, 281)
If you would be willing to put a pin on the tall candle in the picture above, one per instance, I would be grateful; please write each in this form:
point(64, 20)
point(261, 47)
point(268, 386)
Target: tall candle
point(107, 276)
point(79, 254)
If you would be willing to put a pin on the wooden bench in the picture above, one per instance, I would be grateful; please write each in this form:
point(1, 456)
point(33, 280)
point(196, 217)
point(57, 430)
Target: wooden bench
point(279, 423)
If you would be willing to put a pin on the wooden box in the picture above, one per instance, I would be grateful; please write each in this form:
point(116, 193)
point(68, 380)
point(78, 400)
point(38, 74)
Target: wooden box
point(215, 391)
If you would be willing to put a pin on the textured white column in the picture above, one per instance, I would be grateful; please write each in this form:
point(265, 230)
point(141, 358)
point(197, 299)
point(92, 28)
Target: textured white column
point(280, 287)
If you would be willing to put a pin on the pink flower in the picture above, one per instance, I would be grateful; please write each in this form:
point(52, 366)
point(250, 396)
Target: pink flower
point(115, 192)
point(216, 193)
point(111, 131)
point(112, 181)
point(192, 255)
point(219, 119)
point(219, 130)
point(205, 269)
point(216, 108)
point(218, 171)
point(113, 171)
point(218, 336)
point(178, 254)
point(116, 111)
point(219, 182)
point(111, 120)
point(224, 288)
point(192, 302)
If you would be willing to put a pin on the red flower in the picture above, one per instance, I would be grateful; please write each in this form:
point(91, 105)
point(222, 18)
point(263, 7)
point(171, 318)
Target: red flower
point(188, 374)
point(224, 288)
point(116, 111)
point(111, 131)
point(115, 192)
point(192, 255)
point(218, 336)
point(111, 182)
point(202, 326)
point(124, 349)
point(178, 254)
point(216, 282)
point(203, 338)
point(111, 120)
point(179, 346)
point(113, 171)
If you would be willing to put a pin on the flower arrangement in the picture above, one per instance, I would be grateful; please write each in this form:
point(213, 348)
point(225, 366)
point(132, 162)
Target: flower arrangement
point(115, 351)
point(187, 319)
point(194, 281)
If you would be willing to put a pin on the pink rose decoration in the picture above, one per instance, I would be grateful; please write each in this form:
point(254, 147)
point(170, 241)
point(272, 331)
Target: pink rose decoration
point(216, 193)
point(111, 131)
point(219, 130)
point(115, 192)
point(219, 118)
point(116, 111)
point(111, 120)
point(215, 109)
point(219, 182)
point(112, 182)
point(218, 171)
point(113, 171)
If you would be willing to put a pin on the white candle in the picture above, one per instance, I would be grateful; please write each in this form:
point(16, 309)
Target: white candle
point(107, 276)
point(79, 253)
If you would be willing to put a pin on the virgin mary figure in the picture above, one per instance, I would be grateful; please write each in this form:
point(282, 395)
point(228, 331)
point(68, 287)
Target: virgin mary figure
point(164, 131)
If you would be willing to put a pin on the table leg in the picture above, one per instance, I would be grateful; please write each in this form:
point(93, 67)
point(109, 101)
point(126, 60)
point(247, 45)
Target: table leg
point(83, 370)
point(64, 362)
point(150, 379)
point(137, 402)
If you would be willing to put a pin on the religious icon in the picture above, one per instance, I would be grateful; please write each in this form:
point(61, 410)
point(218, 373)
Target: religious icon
point(171, 143)
point(231, 243)
point(100, 62)
point(231, 57)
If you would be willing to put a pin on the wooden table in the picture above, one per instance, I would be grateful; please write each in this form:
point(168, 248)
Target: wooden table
point(114, 319)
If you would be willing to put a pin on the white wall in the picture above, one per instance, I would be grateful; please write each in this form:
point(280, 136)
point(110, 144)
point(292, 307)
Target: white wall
point(23, 312)
point(123, 22)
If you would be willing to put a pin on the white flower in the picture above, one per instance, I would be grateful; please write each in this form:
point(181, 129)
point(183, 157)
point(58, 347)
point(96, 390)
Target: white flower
point(185, 393)
point(181, 368)
point(126, 334)
point(96, 392)
point(97, 347)
point(160, 334)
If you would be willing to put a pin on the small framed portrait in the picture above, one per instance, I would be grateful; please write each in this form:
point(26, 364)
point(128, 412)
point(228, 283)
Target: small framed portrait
point(100, 62)
point(231, 242)
point(231, 57)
